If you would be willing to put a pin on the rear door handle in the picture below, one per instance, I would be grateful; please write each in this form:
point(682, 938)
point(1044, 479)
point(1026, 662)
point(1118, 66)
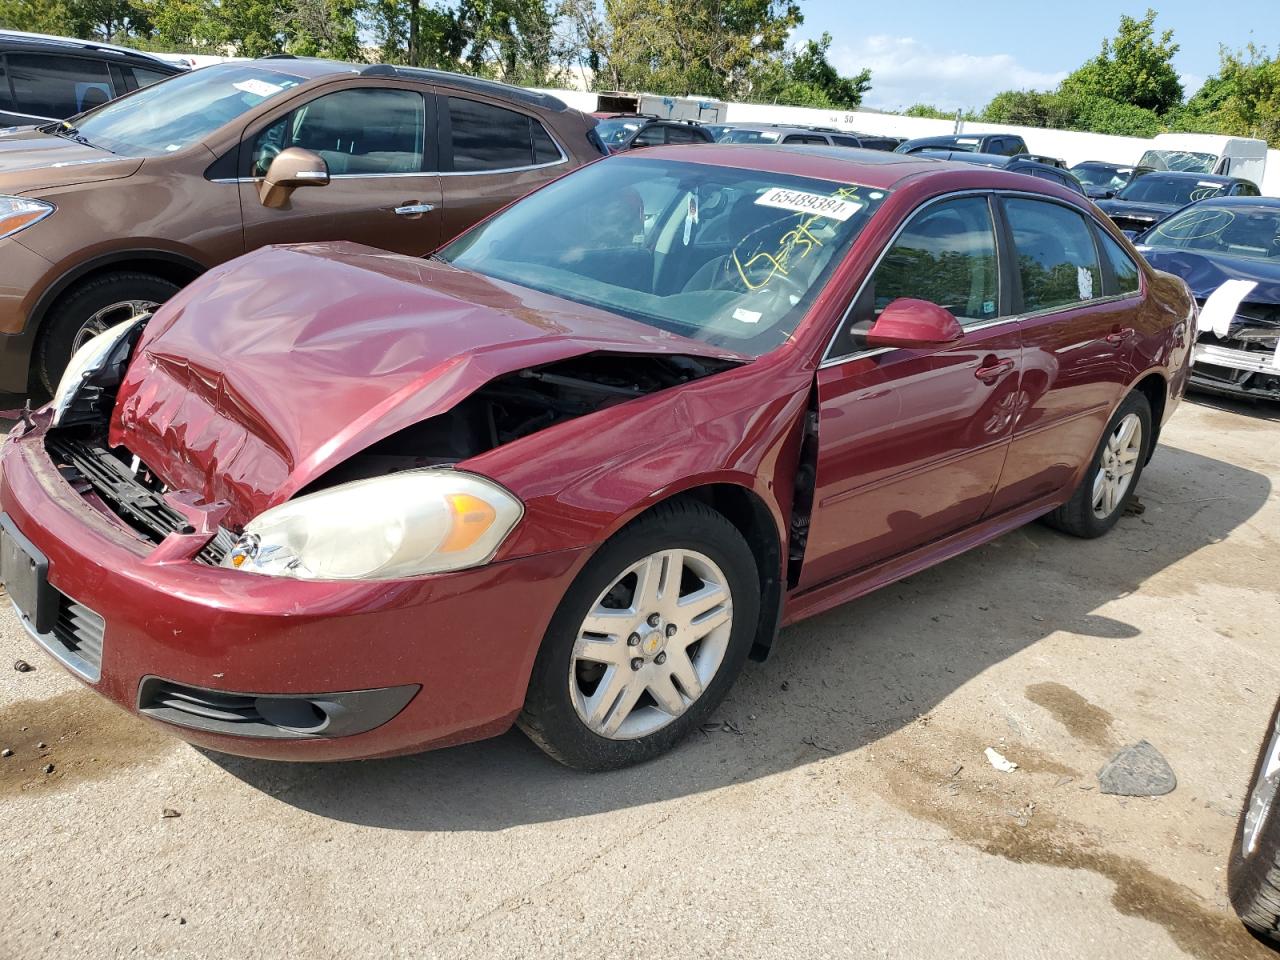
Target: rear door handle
point(1117, 337)
point(993, 371)
point(413, 209)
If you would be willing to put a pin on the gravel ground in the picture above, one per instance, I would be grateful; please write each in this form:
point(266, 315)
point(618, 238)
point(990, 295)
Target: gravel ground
point(844, 809)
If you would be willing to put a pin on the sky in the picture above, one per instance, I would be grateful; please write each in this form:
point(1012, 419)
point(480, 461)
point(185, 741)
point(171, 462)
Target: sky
point(957, 55)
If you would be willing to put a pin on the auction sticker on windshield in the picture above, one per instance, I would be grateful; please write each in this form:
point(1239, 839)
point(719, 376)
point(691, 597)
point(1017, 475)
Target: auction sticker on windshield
point(834, 208)
point(258, 88)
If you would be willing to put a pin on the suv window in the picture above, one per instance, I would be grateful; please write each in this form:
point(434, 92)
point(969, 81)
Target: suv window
point(1057, 259)
point(651, 136)
point(360, 131)
point(946, 255)
point(56, 86)
point(144, 78)
point(486, 137)
point(684, 135)
point(1122, 265)
point(804, 138)
point(845, 141)
point(1245, 189)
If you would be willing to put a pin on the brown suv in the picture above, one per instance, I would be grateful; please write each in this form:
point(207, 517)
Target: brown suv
point(112, 211)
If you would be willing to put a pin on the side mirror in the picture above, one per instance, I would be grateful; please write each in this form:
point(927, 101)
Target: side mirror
point(291, 168)
point(913, 323)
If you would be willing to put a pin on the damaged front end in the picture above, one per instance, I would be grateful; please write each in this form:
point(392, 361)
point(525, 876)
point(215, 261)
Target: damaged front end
point(1244, 360)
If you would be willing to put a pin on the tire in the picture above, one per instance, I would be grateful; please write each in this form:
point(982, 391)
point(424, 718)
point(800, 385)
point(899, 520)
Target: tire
point(557, 707)
point(89, 305)
point(1253, 869)
point(1079, 516)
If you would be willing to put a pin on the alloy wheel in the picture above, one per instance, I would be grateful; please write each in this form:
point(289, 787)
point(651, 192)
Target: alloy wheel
point(1263, 796)
point(108, 317)
point(651, 644)
point(1119, 461)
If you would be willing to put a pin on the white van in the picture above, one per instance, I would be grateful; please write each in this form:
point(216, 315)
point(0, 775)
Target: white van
point(1241, 157)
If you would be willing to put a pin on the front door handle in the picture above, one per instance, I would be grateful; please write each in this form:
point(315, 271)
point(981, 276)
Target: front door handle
point(414, 209)
point(1117, 337)
point(993, 371)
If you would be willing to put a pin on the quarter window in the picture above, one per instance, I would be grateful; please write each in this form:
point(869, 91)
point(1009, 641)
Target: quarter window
point(1122, 265)
point(146, 78)
point(55, 86)
point(946, 255)
point(362, 131)
point(1057, 260)
point(486, 137)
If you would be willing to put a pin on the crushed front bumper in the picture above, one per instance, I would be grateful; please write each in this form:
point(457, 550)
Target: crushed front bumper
point(457, 649)
point(1234, 372)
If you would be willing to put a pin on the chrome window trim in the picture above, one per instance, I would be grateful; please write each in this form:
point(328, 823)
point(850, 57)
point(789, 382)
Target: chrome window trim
point(829, 361)
point(31, 116)
point(419, 173)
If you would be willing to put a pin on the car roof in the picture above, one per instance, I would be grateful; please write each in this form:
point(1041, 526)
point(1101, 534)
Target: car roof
point(51, 43)
point(868, 168)
point(314, 68)
point(1261, 203)
point(1105, 163)
point(1188, 175)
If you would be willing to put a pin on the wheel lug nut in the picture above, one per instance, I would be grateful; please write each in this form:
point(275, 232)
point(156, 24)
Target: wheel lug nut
point(671, 629)
point(660, 658)
point(633, 640)
point(654, 619)
point(637, 663)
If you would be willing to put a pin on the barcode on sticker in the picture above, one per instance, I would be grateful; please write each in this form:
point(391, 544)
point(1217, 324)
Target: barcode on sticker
point(798, 201)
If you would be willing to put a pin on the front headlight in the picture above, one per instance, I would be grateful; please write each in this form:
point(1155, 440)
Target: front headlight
point(94, 356)
point(384, 528)
point(18, 213)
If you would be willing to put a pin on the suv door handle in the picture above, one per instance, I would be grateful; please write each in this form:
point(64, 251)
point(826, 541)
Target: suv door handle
point(413, 209)
point(1117, 337)
point(993, 371)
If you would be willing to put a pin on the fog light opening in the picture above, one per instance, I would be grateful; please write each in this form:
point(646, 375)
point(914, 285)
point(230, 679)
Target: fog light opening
point(292, 713)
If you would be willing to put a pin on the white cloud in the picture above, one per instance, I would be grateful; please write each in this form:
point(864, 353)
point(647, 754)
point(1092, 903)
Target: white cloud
point(905, 71)
point(1191, 82)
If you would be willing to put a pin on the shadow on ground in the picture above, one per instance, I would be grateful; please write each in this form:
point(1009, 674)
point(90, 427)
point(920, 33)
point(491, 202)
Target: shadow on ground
point(840, 681)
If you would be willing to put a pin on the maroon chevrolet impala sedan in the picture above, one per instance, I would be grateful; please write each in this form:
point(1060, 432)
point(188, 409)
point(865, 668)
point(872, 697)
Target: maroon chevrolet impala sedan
point(572, 470)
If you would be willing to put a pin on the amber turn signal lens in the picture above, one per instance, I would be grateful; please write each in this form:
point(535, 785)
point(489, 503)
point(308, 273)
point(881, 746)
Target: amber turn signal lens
point(471, 518)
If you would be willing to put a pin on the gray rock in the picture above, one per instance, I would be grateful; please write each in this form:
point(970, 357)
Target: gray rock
point(1137, 771)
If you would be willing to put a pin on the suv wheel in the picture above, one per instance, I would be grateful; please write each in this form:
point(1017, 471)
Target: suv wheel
point(89, 309)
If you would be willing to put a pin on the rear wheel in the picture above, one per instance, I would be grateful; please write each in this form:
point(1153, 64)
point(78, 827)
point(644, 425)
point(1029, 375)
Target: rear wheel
point(1253, 871)
point(646, 642)
point(1109, 482)
point(88, 310)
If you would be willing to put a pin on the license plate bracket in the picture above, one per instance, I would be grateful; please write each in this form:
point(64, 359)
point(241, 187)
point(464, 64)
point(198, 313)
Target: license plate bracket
point(24, 571)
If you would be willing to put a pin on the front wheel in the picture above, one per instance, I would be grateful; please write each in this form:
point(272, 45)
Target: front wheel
point(90, 309)
point(647, 640)
point(1253, 870)
point(1112, 476)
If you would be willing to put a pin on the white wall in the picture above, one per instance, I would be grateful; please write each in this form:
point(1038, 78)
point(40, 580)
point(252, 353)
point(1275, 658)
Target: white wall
point(1070, 145)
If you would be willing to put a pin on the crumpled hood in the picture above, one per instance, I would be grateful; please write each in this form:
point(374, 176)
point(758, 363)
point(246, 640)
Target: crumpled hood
point(270, 370)
point(32, 161)
point(1206, 272)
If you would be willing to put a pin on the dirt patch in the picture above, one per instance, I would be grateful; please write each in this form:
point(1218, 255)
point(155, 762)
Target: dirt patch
point(84, 738)
point(1084, 720)
point(1018, 817)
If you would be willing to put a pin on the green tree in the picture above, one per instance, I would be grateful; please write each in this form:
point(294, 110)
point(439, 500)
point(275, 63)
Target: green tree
point(1242, 99)
point(1132, 68)
point(805, 78)
point(323, 28)
point(38, 16)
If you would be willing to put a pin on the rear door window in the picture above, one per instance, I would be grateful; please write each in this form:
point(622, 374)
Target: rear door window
point(684, 135)
point(653, 136)
point(804, 138)
point(845, 141)
point(1057, 259)
point(358, 132)
point(57, 86)
point(144, 78)
point(485, 137)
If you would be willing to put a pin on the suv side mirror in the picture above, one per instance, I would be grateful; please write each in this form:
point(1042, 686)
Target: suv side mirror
point(913, 323)
point(291, 168)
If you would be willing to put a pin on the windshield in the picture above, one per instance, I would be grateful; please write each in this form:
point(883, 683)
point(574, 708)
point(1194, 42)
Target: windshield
point(750, 136)
point(1182, 160)
point(1171, 191)
point(727, 256)
point(615, 132)
point(180, 111)
point(1107, 178)
point(1249, 232)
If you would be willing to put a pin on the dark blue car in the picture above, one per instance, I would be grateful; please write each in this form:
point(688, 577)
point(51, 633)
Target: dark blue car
point(1147, 200)
point(1228, 246)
